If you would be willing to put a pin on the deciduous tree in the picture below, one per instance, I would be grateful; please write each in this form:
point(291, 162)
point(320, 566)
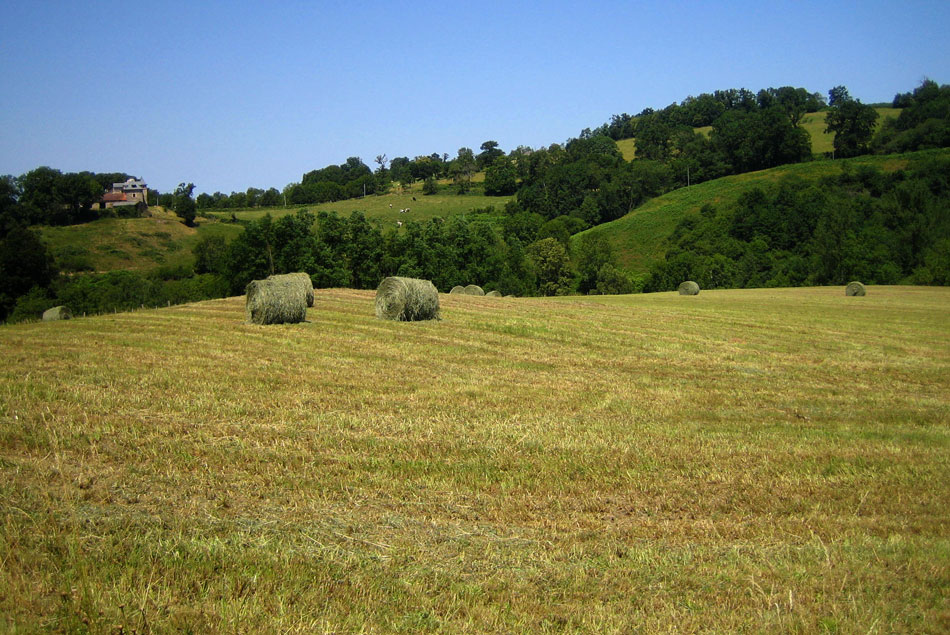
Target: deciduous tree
point(851, 122)
point(184, 204)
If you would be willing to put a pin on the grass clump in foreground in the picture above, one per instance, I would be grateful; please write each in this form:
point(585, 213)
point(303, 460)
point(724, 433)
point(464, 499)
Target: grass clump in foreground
point(736, 461)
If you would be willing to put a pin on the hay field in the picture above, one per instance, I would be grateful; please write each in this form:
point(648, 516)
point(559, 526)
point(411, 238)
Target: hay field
point(754, 460)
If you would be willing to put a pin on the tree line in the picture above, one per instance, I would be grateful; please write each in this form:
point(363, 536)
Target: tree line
point(336, 251)
point(351, 252)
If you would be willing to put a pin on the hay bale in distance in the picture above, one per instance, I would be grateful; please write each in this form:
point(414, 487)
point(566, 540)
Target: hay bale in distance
point(407, 300)
point(457, 289)
point(689, 288)
point(493, 294)
point(303, 279)
point(276, 300)
point(57, 313)
point(474, 289)
point(855, 288)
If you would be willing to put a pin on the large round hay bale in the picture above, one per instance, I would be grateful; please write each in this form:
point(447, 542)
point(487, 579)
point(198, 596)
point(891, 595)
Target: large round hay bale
point(56, 313)
point(493, 294)
point(457, 289)
point(689, 288)
point(275, 301)
point(855, 288)
point(303, 279)
point(407, 300)
point(474, 289)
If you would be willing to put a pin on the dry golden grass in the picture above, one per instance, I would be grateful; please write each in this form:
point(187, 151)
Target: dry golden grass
point(764, 460)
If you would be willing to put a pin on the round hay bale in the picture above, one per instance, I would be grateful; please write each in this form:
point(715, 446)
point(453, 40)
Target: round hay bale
point(407, 300)
point(493, 294)
point(275, 301)
point(689, 288)
point(303, 279)
point(57, 313)
point(474, 289)
point(855, 288)
point(457, 289)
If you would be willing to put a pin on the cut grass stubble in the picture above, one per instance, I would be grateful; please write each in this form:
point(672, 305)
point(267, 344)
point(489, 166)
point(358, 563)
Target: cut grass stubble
point(740, 460)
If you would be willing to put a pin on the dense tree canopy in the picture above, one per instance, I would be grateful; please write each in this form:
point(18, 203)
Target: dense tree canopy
point(924, 122)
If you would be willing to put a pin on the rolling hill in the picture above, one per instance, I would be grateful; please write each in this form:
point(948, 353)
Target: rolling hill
point(638, 240)
point(147, 243)
point(134, 244)
point(141, 244)
point(737, 461)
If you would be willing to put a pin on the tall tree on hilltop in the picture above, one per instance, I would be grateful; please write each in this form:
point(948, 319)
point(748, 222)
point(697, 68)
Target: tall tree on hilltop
point(850, 121)
point(184, 204)
point(462, 169)
point(489, 152)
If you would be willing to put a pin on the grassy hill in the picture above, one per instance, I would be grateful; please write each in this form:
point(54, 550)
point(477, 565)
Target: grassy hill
point(136, 244)
point(639, 239)
point(738, 461)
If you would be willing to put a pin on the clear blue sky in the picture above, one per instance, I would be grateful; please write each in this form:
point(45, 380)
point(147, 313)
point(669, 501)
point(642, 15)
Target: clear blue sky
point(236, 94)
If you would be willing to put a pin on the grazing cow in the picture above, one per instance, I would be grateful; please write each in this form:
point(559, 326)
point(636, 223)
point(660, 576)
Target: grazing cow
point(398, 223)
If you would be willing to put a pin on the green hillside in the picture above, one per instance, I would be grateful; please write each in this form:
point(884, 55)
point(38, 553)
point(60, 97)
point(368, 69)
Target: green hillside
point(639, 239)
point(137, 244)
point(737, 461)
point(161, 239)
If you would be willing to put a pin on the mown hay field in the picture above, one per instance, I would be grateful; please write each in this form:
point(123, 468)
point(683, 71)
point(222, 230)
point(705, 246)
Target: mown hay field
point(751, 460)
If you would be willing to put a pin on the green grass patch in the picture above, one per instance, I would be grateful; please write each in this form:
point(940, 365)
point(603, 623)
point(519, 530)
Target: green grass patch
point(737, 461)
point(821, 141)
point(628, 148)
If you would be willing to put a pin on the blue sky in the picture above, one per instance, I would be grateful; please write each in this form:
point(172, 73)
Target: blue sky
point(229, 95)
